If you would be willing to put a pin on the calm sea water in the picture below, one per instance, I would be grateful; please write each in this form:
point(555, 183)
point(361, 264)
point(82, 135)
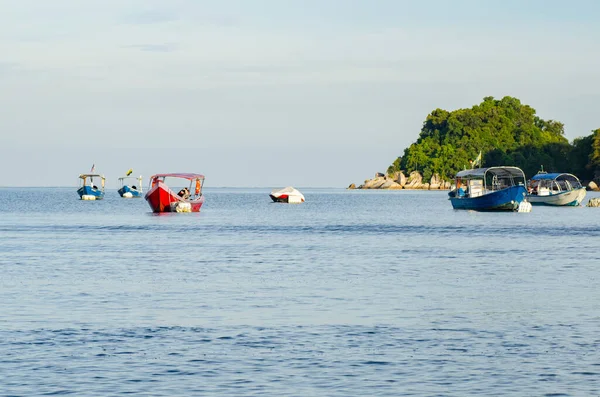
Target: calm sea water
point(353, 293)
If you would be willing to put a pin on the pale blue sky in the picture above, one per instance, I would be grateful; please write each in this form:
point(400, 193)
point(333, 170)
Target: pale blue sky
point(272, 93)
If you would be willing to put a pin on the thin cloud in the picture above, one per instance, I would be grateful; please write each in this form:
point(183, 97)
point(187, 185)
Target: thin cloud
point(150, 17)
point(166, 47)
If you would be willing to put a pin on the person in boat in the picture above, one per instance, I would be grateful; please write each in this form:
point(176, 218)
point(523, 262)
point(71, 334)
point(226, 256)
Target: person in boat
point(184, 193)
point(133, 187)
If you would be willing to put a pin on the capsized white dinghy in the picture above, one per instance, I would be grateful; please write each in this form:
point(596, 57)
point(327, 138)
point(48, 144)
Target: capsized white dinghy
point(287, 195)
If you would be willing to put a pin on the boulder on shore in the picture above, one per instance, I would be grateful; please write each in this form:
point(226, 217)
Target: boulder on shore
point(594, 202)
point(352, 186)
point(592, 186)
point(401, 178)
point(415, 180)
point(435, 182)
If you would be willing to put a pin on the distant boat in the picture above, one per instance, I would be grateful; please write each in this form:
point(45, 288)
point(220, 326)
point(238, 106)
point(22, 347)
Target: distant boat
point(128, 187)
point(162, 198)
point(490, 189)
point(88, 190)
point(287, 195)
point(560, 189)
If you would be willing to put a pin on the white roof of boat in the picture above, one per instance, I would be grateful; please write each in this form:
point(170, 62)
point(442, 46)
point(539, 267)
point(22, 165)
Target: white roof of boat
point(500, 171)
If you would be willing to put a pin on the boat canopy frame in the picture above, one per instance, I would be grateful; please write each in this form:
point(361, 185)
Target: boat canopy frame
point(131, 177)
point(195, 187)
point(83, 179)
point(556, 182)
point(494, 178)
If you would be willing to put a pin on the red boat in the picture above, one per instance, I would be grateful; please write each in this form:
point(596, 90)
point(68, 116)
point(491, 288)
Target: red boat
point(188, 198)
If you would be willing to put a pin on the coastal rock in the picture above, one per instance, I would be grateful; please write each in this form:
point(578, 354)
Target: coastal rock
point(594, 202)
point(592, 186)
point(374, 183)
point(435, 182)
point(400, 178)
point(414, 181)
point(388, 183)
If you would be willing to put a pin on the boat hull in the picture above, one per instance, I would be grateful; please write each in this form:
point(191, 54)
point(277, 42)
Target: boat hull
point(569, 198)
point(127, 192)
point(162, 199)
point(501, 200)
point(89, 193)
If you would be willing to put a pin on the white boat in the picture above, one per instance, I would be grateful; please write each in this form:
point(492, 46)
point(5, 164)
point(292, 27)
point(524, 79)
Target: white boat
point(559, 189)
point(287, 195)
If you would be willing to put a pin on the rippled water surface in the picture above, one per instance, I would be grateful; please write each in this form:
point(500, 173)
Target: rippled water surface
point(350, 294)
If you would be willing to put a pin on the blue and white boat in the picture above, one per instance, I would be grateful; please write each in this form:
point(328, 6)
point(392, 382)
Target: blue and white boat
point(490, 189)
point(88, 190)
point(560, 189)
point(130, 186)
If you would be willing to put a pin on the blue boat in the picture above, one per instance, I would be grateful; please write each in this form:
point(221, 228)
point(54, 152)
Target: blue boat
point(88, 190)
point(130, 186)
point(490, 189)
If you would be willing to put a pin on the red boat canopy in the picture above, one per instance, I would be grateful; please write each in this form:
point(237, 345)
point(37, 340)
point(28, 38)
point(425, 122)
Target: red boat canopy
point(184, 175)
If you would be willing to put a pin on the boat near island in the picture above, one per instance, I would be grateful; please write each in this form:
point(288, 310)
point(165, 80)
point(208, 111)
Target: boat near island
point(128, 187)
point(490, 189)
point(287, 195)
point(557, 189)
point(161, 194)
point(88, 190)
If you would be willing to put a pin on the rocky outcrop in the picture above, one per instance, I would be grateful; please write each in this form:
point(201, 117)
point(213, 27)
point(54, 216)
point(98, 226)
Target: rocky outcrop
point(352, 186)
point(415, 180)
point(435, 182)
point(399, 181)
point(592, 186)
point(594, 202)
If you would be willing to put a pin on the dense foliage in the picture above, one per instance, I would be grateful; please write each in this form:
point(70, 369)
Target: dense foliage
point(506, 132)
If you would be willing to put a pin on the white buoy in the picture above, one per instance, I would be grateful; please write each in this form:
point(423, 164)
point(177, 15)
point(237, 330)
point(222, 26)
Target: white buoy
point(524, 206)
point(88, 197)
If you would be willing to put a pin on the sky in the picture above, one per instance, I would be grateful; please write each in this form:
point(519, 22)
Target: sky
point(272, 93)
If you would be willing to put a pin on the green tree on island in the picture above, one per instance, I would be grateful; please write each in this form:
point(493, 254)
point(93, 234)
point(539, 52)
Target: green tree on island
point(506, 132)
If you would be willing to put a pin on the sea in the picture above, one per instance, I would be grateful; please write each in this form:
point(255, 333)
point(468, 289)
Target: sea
point(352, 293)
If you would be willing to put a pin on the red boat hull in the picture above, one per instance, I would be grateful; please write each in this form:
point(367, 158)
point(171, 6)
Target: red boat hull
point(162, 199)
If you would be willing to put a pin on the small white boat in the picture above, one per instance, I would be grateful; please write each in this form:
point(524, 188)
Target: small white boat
point(559, 189)
point(287, 195)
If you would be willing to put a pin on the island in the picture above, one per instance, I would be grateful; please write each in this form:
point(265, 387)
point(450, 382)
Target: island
point(495, 132)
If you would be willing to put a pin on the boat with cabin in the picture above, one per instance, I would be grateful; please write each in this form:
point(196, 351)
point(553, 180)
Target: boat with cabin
point(88, 190)
point(559, 189)
point(128, 187)
point(161, 194)
point(490, 189)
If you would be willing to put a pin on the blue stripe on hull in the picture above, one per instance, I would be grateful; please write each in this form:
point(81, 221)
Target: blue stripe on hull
point(501, 200)
point(88, 191)
point(574, 203)
point(127, 189)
